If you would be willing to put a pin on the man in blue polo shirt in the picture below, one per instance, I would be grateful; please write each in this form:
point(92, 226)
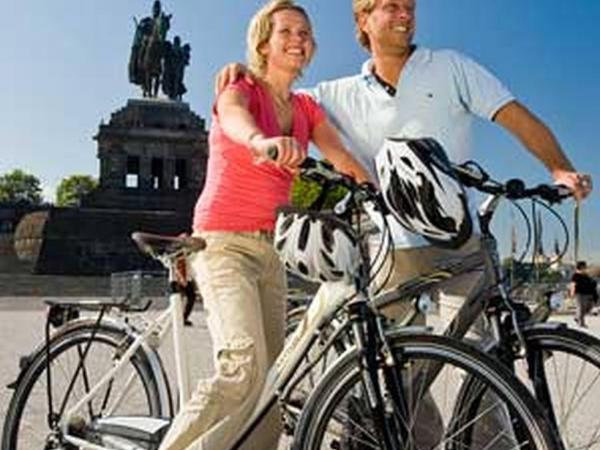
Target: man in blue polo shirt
point(405, 90)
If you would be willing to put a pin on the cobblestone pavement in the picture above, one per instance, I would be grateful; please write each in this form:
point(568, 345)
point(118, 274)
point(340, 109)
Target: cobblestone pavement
point(22, 328)
point(22, 325)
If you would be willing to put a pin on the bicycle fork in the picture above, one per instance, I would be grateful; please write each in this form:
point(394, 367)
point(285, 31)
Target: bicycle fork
point(393, 434)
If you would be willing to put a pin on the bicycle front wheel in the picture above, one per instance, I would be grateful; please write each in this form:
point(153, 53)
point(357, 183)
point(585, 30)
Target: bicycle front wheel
point(132, 392)
point(563, 370)
point(338, 414)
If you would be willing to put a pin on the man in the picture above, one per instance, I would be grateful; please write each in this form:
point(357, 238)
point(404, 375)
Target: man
point(409, 91)
point(584, 290)
point(405, 90)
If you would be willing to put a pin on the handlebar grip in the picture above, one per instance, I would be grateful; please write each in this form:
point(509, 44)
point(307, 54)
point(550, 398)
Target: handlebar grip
point(308, 163)
point(553, 194)
point(272, 153)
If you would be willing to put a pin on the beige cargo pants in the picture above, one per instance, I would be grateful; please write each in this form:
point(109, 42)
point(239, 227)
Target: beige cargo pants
point(243, 285)
point(413, 262)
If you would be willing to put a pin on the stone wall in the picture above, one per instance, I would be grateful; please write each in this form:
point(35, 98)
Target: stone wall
point(9, 263)
point(26, 285)
point(67, 241)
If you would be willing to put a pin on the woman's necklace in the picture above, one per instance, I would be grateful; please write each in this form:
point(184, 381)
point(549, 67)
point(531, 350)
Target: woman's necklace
point(283, 109)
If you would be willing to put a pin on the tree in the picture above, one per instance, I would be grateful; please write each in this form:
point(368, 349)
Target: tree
point(72, 189)
point(305, 192)
point(18, 186)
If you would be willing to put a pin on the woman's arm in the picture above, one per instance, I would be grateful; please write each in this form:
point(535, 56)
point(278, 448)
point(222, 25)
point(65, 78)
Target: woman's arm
point(239, 125)
point(327, 139)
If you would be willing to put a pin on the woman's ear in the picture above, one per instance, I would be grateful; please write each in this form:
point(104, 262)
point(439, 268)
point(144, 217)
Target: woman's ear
point(263, 49)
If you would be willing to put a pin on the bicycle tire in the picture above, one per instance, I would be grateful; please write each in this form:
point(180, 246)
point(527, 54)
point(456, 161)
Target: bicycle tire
point(562, 370)
point(344, 378)
point(23, 417)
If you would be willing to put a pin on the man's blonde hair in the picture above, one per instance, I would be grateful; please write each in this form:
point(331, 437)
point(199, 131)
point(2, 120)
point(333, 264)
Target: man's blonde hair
point(358, 7)
point(261, 28)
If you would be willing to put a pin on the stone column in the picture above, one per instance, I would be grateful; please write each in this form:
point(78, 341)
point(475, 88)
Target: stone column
point(145, 172)
point(113, 167)
point(169, 173)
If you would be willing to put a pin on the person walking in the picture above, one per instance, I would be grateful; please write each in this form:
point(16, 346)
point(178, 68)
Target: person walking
point(584, 290)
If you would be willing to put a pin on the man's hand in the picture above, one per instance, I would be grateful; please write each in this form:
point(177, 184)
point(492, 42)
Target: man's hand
point(580, 184)
point(230, 73)
point(289, 152)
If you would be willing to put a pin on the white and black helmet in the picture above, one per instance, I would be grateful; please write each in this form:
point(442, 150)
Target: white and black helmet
point(422, 191)
point(316, 246)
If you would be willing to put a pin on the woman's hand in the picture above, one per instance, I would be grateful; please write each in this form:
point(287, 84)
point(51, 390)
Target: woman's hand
point(230, 73)
point(289, 152)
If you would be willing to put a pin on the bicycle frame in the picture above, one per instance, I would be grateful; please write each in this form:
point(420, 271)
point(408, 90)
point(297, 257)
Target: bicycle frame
point(282, 377)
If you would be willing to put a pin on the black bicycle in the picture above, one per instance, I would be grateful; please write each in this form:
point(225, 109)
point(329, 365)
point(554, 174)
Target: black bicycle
point(559, 365)
point(395, 387)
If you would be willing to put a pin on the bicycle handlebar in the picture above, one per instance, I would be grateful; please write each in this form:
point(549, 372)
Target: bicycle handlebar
point(514, 189)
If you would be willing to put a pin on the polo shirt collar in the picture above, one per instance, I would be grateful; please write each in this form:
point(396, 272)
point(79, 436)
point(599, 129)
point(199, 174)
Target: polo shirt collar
point(419, 55)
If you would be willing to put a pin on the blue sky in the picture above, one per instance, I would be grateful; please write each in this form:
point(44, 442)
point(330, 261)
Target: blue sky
point(66, 69)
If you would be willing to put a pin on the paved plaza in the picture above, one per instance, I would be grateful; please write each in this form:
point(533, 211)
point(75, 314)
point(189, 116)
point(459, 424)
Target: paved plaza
point(23, 328)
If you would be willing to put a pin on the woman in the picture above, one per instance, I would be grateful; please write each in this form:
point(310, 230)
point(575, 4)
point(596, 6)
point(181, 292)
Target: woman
point(239, 274)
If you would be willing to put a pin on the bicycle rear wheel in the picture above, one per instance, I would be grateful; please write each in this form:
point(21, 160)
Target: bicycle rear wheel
point(338, 416)
point(132, 392)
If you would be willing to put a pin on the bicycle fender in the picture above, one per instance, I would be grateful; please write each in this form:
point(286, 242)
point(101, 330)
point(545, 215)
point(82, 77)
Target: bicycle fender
point(151, 355)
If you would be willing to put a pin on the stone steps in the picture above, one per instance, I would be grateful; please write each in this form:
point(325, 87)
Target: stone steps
point(26, 285)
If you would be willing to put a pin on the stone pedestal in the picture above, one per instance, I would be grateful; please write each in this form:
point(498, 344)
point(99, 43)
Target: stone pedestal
point(153, 157)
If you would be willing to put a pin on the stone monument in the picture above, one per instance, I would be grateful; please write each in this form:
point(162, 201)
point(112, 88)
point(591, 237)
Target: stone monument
point(152, 153)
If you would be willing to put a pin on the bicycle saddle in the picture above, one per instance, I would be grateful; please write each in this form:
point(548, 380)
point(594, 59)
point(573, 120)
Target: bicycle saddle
point(156, 244)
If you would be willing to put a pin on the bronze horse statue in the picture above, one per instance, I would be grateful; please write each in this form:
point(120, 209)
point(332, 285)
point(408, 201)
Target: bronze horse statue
point(147, 53)
point(152, 55)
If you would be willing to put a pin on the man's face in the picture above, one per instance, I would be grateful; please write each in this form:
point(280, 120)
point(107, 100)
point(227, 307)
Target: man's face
point(390, 25)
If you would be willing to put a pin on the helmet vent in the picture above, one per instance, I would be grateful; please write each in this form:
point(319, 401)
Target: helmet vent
point(304, 232)
point(327, 259)
point(302, 268)
point(407, 162)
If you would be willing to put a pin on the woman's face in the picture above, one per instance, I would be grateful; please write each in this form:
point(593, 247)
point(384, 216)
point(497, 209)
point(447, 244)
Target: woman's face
point(291, 45)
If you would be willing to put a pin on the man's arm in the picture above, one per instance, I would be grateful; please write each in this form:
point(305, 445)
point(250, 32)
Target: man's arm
point(326, 138)
point(542, 143)
point(230, 73)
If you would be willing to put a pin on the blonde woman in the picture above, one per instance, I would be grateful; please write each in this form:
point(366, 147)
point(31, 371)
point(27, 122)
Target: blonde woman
point(239, 274)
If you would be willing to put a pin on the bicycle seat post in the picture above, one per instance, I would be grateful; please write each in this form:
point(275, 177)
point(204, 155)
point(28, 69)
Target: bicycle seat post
point(175, 304)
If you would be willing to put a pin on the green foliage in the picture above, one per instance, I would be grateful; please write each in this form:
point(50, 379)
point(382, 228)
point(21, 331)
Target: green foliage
point(72, 189)
point(19, 186)
point(305, 192)
point(528, 272)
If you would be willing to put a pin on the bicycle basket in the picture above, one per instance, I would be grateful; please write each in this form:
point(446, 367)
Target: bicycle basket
point(132, 288)
point(317, 246)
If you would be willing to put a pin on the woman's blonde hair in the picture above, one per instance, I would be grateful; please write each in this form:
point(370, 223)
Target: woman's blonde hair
point(358, 7)
point(261, 28)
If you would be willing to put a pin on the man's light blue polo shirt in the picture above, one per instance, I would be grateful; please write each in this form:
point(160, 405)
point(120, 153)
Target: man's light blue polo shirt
point(437, 96)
